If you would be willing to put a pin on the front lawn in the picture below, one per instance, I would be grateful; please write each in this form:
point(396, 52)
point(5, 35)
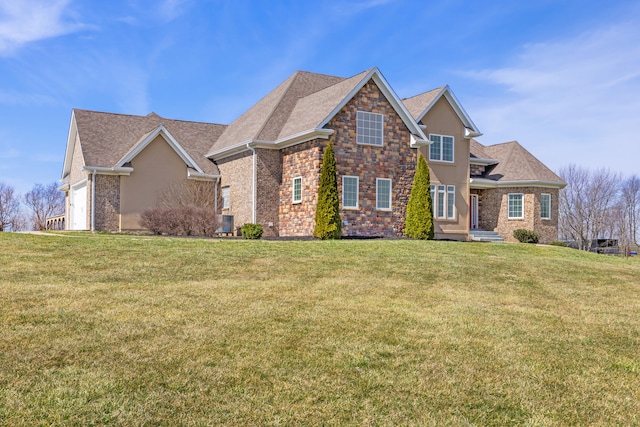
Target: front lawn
point(135, 330)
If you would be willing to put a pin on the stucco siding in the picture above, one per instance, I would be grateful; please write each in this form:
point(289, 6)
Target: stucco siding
point(443, 120)
point(155, 170)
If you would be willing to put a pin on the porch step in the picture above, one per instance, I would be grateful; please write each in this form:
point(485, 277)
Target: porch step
point(485, 236)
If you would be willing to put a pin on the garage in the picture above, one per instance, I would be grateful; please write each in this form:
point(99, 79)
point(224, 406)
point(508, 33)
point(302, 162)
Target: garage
point(78, 207)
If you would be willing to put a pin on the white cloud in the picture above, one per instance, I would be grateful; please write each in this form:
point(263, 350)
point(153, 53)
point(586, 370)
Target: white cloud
point(171, 9)
point(574, 100)
point(24, 21)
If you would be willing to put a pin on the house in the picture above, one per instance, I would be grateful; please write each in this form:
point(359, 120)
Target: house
point(264, 167)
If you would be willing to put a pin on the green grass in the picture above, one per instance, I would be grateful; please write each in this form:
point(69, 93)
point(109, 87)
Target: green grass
point(134, 330)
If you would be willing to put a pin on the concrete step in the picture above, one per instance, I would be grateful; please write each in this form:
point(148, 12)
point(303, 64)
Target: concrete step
point(485, 236)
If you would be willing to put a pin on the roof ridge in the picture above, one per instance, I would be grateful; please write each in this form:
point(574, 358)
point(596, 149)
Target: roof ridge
point(295, 76)
point(150, 115)
point(425, 92)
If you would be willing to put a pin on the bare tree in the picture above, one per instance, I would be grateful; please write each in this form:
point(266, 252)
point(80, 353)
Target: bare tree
point(630, 206)
point(10, 214)
point(587, 204)
point(44, 201)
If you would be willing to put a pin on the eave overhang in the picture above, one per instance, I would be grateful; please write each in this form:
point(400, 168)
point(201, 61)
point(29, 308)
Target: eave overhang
point(483, 183)
point(289, 141)
point(100, 170)
point(482, 162)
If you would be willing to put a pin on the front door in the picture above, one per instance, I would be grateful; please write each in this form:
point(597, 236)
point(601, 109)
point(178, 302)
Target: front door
point(473, 205)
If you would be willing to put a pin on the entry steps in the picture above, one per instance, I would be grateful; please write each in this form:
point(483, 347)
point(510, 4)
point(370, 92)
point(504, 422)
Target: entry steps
point(485, 236)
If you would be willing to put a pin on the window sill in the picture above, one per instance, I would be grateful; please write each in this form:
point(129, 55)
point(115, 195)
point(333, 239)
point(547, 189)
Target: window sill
point(296, 203)
point(351, 209)
point(443, 162)
point(384, 210)
point(370, 145)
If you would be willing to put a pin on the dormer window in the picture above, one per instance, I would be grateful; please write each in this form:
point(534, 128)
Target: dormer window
point(441, 149)
point(369, 127)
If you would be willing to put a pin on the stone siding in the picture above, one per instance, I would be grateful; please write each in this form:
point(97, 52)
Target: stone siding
point(394, 160)
point(493, 212)
point(107, 204)
point(302, 160)
point(476, 170)
point(237, 174)
point(268, 181)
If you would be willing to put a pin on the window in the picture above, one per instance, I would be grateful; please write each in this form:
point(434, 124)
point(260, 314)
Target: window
point(350, 191)
point(451, 201)
point(545, 206)
point(369, 128)
point(441, 148)
point(226, 198)
point(383, 194)
point(443, 198)
point(297, 190)
point(515, 206)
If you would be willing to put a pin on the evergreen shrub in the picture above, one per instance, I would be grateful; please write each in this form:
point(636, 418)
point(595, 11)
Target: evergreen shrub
point(419, 219)
point(328, 224)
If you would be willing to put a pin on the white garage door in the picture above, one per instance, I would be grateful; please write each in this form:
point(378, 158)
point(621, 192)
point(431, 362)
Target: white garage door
point(78, 207)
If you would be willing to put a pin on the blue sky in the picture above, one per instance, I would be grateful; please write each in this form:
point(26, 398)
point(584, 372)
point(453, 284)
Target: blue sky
point(560, 76)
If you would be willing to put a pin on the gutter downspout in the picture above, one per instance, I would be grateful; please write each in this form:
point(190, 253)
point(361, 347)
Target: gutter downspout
point(253, 185)
point(93, 200)
point(215, 196)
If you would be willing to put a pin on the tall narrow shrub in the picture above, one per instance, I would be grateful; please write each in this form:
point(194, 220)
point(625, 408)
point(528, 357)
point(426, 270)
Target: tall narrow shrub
point(419, 220)
point(328, 223)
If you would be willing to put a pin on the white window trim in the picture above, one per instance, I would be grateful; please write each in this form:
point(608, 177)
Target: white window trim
point(509, 207)
point(549, 195)
point(453, 148)
point(436, 189)
point(357, 206)
point(378, 194)
point(382, 134)
point(451, 196)
point(293, 190)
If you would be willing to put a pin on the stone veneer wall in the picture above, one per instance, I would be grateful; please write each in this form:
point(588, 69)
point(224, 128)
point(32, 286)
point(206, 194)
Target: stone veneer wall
point(476, 170)
point(395, 159)
point(237, 173)
point(107, 205)
point(268, 178)
point(493, 212)
point(302, 160)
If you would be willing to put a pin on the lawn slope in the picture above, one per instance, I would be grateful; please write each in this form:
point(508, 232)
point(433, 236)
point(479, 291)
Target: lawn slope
point(134, 330)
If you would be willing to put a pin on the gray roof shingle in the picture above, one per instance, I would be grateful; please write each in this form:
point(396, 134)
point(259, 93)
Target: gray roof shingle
point(107, 137)
point(515, 163)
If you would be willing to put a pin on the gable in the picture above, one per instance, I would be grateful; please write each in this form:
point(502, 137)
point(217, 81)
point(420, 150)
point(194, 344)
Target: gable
point(442, 119)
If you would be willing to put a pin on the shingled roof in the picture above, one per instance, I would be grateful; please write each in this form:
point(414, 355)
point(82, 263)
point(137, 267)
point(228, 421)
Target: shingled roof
point(107, 138)
point(299, 107)
point(515, 163)
point(266, 119)
point(419, 103)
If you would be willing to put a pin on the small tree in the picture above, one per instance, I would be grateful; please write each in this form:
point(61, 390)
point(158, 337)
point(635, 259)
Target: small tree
point(44, 201)
point(10, 215)
point(419, 220)
point(328, 222)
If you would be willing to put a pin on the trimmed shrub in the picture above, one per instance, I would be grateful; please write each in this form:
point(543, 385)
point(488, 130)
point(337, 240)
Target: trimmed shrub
point(526, 236)
point(328, 224)
point(251, 231)
point(559, 243)
point(180, 221)
point(419, 220)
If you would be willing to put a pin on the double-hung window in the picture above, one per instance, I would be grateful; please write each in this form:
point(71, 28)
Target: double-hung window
point(369, 128)
point(297, 190)
point(441, 149)
point(515, 206)
point(383, 194)
point(545, 206)
point(350, 192)
point(443, 199)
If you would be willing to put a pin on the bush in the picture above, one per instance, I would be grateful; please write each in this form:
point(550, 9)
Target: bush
point(419, 219)
point(251, 231)
point(559, 243)
point(526, 236)
point(180, 221)
point(328, 224)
